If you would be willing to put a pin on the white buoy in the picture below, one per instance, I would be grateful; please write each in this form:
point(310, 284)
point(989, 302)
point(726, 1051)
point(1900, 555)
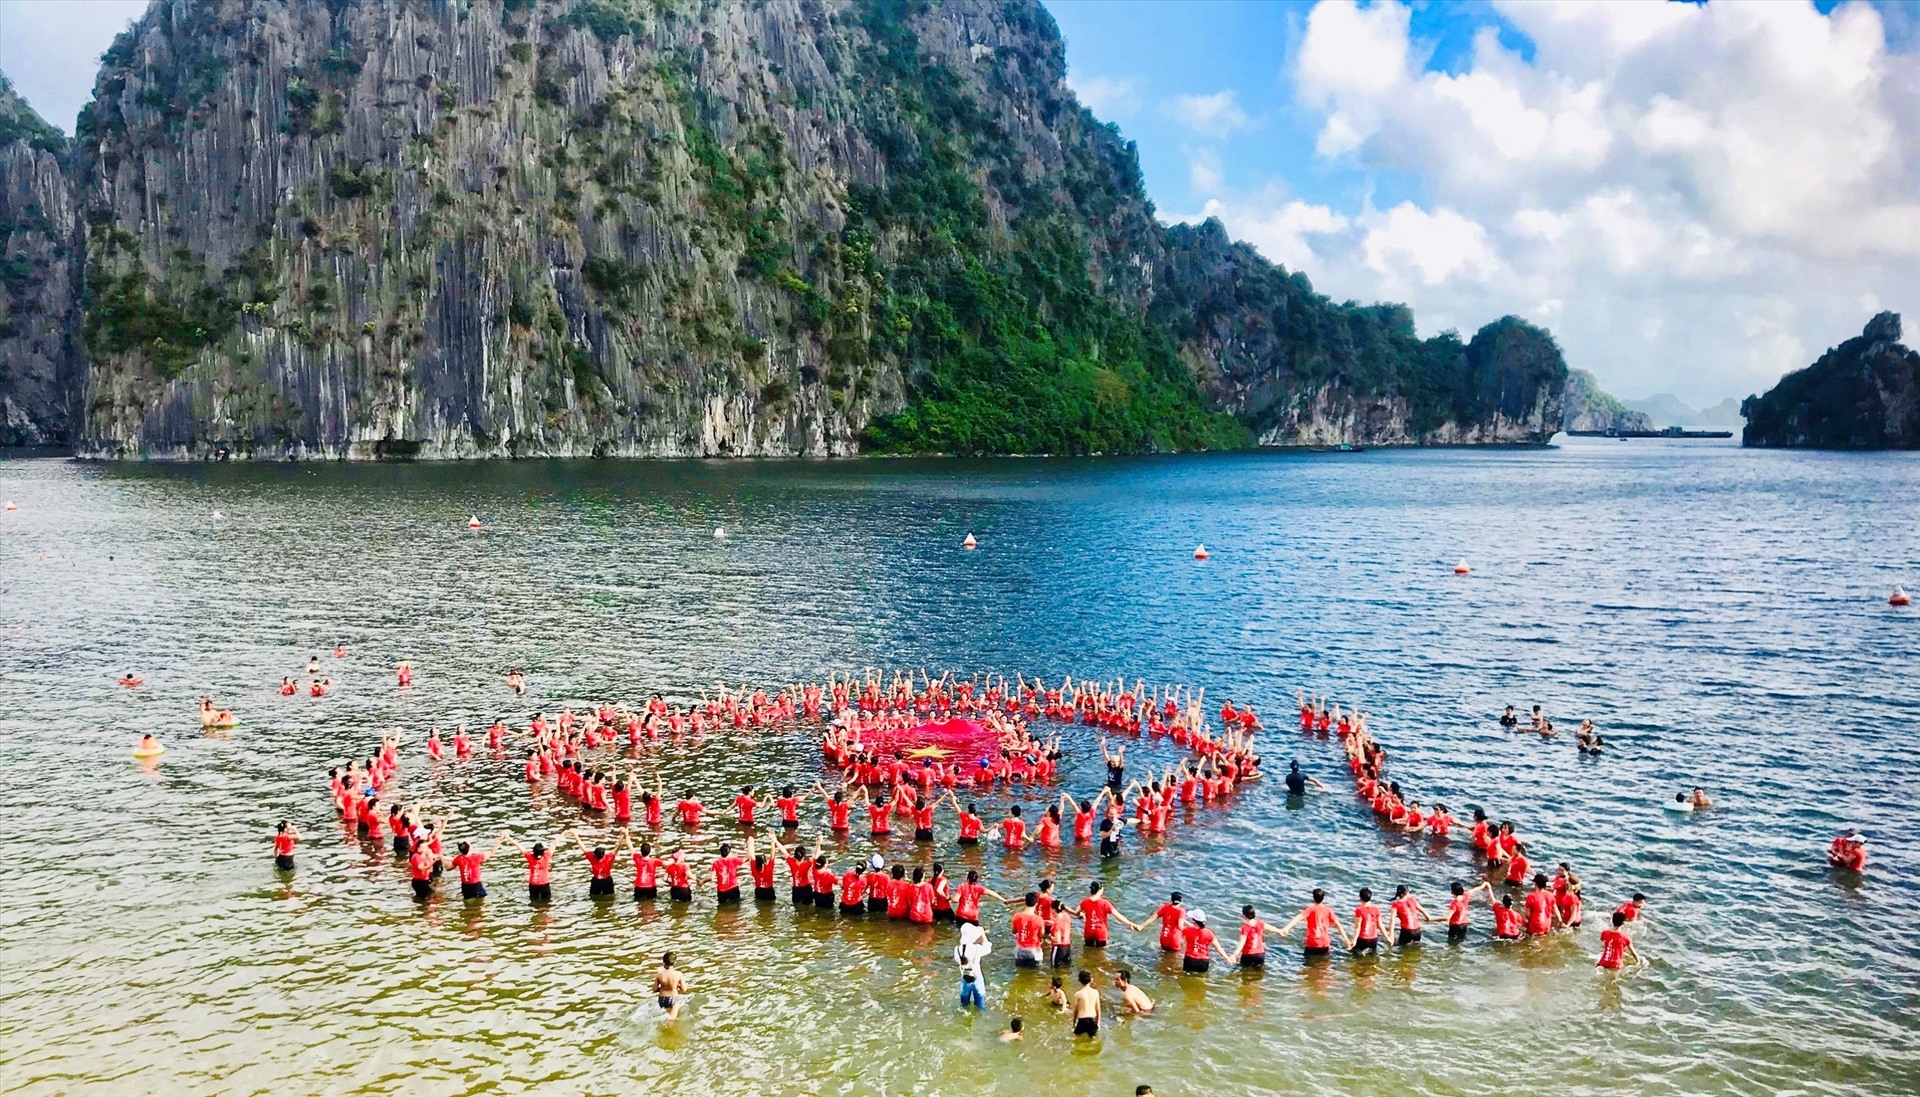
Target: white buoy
point(473, 522)
point(719, 533)
point(969, 542)
point(217, 516)
point(1200, 552)
point(1899, 598)
point(1461, 568)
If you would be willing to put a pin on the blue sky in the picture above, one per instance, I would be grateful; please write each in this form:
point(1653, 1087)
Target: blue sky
point(1694, 198)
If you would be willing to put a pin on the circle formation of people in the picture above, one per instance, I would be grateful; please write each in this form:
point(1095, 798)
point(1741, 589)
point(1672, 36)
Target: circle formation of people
point(879, 774)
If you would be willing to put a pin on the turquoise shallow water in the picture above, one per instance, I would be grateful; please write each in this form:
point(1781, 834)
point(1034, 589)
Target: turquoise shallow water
point(1719, 613)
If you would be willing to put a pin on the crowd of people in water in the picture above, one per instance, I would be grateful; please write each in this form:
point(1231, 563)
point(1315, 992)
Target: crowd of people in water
point(933, 795)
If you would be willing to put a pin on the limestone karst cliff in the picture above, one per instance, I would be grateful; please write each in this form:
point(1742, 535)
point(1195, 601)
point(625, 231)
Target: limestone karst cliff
point(372, 228)
point(1862, 394)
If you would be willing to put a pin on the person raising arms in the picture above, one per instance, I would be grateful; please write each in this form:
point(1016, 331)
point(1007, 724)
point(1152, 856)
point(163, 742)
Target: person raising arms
point(1321, 926)
point(1458, 919)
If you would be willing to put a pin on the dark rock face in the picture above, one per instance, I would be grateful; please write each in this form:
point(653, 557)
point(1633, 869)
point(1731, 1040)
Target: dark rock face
point(1589, 407)
point(1301, 370)
point(370, 228)
point(38, 280)
point(1862, 394)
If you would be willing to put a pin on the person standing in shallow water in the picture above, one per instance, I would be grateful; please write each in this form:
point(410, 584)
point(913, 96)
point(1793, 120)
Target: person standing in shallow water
point(1086, 1007)
point(973, 948)
point(285, 837)
point(669, 986)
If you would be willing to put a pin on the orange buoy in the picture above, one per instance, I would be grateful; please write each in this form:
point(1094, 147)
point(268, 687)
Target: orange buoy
point(1898, 598)
point(10, 505)
point(1461, 568)
point(969, 542)
point(473, 522)
point(1200, 552)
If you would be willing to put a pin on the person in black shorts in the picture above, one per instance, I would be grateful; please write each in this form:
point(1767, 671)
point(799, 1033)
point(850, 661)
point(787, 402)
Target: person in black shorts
point(1086, 1007)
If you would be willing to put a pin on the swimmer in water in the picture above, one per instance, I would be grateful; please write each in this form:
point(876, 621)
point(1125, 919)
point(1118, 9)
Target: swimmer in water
point(1699, 799)
point(516, 682)
point(1508, 720)
point(130, 679)
point(285, 837)
point(1016, 1030)
point(1132, 998)
point(149, 746)
point(669, 986)
point(313, 665)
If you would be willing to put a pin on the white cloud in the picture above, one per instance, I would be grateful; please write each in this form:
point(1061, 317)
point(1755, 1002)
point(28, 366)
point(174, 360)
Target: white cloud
point(1216, 115)
point(1203, 171)
point(1108, 97)
point(1695, 197)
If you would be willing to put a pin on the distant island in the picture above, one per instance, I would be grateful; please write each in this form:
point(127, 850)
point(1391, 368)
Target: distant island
point(632, 228)
point(1862, 394)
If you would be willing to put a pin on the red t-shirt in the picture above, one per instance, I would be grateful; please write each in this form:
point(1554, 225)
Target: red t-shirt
point(969, 825)
point(690, 812)
point(1196, 941)
point(468, 866)
point(1253, 938)
point(421, 863)
point(601, 867)
point(853, 887)
point(762, 872)
point(1319, 926)
point(800, 869)
point(538, 867)
point(745, 804)
point(1539, 912)
point(1366, 921)
point(1613, 948)
point(966, 903)
point(678, 875)
point(1408, 912)
point(1170, 917)
point(1506, 921)
point(726, 873)
point(645, 871)
point(920, 907)
point(837, 814)
point(789, 808)
point(1457, 910)
point(283, 844)
point(1096, 910)
point(1027, 928)
point(898, 893)
point(1014, 833)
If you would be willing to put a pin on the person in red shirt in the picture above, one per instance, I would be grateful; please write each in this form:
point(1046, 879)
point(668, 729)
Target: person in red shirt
point(823, 881)
point(726, 874)
point(920, 899)
point(689, 809)
point(1028, 930)
point(970, 821)
point(679, 877)
point(745, 805)
point(1408, 912)
point(467, 863)
point(1366, 925)
point(1252, 949)
point(1198, 944)
point(1457, 908)
point(760, 870)
point(1321, 925)
point(899, 893)
point(1507, 923)
point(879, 885)
point(1095, 911)
point(853, 890)
point(966, 898)
point(646, 873)
point(838, 808)
point(799, 872)
point(1013, 830)
point(1566, 897)
point(284, 839)
point(1541, 914)
point(1170, 915)
point(1518, 864)
point(421, 865)
point(600, 868)
point(788, 802)
point(1631, 908)
point(1615, 945)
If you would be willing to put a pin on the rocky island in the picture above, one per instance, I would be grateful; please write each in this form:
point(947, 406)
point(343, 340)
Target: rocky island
point(1862, 394)
point(633, 227)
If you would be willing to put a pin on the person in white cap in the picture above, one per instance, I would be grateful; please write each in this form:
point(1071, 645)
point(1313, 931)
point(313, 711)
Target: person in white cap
point(1197, 945)
point(968, 953)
